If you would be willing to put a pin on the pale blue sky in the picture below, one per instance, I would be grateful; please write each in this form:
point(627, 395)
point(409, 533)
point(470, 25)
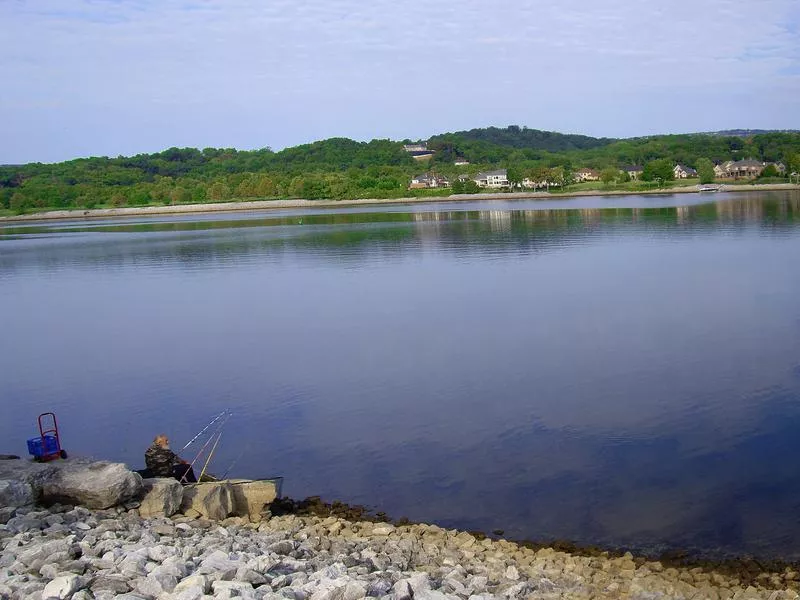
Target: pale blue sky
point(110, 77)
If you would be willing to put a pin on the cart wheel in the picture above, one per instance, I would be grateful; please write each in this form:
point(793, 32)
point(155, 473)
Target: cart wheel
point(63, 454)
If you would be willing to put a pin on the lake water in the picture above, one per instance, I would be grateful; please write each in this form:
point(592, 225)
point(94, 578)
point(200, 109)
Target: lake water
point(622, 371)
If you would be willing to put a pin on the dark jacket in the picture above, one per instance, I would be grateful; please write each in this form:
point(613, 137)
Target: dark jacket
point(160, 460)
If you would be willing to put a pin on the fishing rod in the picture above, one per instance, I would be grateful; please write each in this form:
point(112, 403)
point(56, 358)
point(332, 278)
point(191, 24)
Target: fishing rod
point(194, 460)
point(210, 454)
point(217, 431)
point(227, 411)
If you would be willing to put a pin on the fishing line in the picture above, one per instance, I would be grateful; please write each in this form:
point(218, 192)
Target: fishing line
point(225, 412)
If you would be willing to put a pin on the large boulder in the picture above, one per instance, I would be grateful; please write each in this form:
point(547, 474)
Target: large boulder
point(94, 484)
point(250, 497)
point(211, 500)
point(162, 497)
point(28, 471)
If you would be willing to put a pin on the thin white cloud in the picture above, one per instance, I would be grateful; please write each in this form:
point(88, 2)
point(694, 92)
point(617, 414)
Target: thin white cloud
point(356, 66)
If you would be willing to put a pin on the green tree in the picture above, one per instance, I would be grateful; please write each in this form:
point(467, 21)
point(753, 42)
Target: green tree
point(659, 170)
point(609, 175)
point(219, 192)
point(558, 176)
point(180, 195)
point(770, 171)
point(514, 176)
point(705, 170)
point(19, 202)
point(470, 187)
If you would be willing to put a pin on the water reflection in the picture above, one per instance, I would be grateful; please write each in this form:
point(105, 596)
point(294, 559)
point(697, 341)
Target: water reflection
point(376, 236)
point(613, 375)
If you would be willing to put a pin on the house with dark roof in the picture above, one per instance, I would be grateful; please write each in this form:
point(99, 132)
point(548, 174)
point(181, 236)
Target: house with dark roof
point(633, 171)
point(723, 169)
point(741, 168)
point(418, 151)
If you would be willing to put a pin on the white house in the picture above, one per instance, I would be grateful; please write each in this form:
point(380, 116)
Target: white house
point(492, 179)
point(683, 172)
point(586, 174)
point(429, 180)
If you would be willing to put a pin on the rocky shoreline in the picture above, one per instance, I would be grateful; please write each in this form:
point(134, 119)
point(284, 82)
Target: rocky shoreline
point(308, 551)
point(254, 205)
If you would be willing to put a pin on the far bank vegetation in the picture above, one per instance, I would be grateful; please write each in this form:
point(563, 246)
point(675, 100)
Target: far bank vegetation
point(341, 168)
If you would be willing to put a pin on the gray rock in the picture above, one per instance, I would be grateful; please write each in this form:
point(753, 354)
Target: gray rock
point(162, 497)
point(133, 565)
point(435, 595)
point(193, 581)
point(409, 587)
point(251, 497)
point(93, 484)
point(22, 523)
point(240, 587)
point(6, 512)
point(14, 493)
point(282, 547)
point(118, 584)
point(62, 587)
point(210, 500)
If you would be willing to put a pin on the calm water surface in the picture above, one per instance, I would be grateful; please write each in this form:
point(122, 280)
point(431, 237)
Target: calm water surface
point(622, 371)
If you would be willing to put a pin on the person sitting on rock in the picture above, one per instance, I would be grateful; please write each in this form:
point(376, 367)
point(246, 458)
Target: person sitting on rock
point(163, 462)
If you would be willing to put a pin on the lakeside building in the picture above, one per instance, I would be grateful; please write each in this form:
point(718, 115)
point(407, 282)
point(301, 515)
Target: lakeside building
point(460, 161)
point(492, 179)
point(586, 174)
point(633, 171)
point(429, 180)
point(532, 184)
point(683, 172)
point(722, 169)
point(418, 151)
point(748, 168)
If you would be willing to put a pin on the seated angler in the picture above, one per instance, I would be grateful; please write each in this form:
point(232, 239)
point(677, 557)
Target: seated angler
point(163, 462)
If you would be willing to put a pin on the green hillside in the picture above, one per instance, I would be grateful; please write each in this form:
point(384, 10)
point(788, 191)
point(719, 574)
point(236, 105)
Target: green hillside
point(341, 168)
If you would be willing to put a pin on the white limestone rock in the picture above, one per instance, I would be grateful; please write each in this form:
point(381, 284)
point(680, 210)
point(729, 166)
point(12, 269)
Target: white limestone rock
point(61, 587)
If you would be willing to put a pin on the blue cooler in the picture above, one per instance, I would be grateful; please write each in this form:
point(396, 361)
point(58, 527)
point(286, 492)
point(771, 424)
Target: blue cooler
point(38, 450)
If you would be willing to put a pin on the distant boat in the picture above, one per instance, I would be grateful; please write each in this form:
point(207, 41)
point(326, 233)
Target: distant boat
point(709, 188)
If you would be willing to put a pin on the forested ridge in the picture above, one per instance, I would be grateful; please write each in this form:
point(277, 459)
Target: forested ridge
point(340, 168)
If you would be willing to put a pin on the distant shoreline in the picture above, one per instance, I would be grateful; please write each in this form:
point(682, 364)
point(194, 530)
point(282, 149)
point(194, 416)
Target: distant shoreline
point(258, 205)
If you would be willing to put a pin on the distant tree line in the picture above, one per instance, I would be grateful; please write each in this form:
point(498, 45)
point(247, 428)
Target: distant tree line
point(341, 168)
